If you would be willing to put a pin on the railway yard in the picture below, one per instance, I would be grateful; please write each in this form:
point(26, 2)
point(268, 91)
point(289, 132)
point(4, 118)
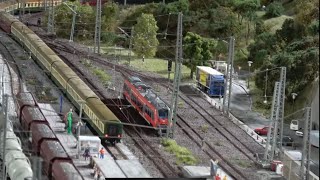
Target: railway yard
point(42, 89)
point(200, 128)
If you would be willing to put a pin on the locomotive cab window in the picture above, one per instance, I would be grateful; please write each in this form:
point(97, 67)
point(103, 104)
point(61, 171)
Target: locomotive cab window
point(163, 113)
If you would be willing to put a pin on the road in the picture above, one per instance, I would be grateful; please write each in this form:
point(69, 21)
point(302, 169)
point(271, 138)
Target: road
point(241, 108)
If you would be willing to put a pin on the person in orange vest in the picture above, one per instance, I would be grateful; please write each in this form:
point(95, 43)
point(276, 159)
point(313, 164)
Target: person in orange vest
point(101, 152)
point(225, 177)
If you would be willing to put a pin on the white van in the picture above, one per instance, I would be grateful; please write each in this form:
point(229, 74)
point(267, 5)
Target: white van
point(294, 125)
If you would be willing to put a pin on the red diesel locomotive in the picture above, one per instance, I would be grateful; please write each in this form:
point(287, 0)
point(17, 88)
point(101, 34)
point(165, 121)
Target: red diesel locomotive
point(147, 103)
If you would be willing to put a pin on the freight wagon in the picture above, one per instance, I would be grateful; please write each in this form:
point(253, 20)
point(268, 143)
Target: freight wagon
point(210, 81)
point(99, 116)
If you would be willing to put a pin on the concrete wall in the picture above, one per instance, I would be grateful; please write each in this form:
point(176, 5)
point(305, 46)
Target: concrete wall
point(291, 167)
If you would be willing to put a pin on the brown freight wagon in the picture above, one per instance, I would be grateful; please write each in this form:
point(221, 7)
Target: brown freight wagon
point(40, 134)
point(30, 115)
point(52, 151)
point(62, 170)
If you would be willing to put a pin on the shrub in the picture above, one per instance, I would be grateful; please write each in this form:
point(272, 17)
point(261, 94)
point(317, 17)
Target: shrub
point(274, 9)
point(182, 154)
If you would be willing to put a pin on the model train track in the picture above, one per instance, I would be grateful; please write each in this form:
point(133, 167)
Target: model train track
point(226, 126)
point(126, 72)
point(134, 132)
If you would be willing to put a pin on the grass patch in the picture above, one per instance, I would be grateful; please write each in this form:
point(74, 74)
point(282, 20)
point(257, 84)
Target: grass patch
point(204, 128)
point(274, 24)
point(180, 104)
point(159, 66)
point(103, 76)
point(242, 163)
point(183, 155)
point(45, 96)
point(31, 82)
point(86, 62)
point(218, 143)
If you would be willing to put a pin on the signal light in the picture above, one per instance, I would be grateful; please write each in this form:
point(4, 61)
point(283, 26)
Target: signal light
point(106, 135)
point(169, 65)
point(119, 135)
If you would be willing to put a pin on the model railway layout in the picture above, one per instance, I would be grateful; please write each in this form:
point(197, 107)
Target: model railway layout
point(99, 115)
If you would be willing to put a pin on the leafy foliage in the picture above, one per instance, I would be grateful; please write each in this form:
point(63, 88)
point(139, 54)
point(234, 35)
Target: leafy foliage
point(264, 46)
point(302, 62)
point(222, 22)
point(145, 40)
point(307, 11)
point(197, 50)
point(84, 20)
point(274, 9)
point(177, 6)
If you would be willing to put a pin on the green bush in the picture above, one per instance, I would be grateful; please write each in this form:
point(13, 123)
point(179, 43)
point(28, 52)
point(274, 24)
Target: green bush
point(182, 154)
point(274, 9)
point(104, 77)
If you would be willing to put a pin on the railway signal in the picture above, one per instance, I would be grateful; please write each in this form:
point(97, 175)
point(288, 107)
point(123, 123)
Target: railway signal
point(169, 65)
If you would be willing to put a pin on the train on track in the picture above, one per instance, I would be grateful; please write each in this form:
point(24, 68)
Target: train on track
point(17, 164)
point(57, 165)
point(149, 105)
point(98, 115)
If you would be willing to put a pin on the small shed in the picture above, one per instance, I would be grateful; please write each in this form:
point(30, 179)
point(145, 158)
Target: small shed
point(93, 142)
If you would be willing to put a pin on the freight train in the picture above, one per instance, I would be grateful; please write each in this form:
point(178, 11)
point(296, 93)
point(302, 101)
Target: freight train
point(17, 164)
point(57, 165)
point(99, 116)
point(149, 105)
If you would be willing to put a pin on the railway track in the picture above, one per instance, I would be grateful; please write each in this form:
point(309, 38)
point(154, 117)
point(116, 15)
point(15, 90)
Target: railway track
point(237, 143)
point(136, 133)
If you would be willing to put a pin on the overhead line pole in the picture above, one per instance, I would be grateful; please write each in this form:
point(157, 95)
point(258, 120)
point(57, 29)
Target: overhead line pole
point(231, 72)
point(97, 32)
point(130, 45)
point(281, 104)
point(267, 154)
point(79, 129)
point(51, 19)
point(226, 79)
point(305, 159)
point(4, 138)
point(177, 77)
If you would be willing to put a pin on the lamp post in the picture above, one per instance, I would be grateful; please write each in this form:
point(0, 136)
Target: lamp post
point(294, 95)
point(249, 64)
point(265, 88)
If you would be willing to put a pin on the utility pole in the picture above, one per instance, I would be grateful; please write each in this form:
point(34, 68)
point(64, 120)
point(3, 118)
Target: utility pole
point(227, 77)
point(4, 138)
point(51, 19)
point(231, 72)
point(73, 22)
point(130, 45)
point(177, 76)
point(305, 159)
point(45, 5)
point(36, 167)
point(281, 104)
point(125, 2)
point(277, 113)
point(267, 154)
point(79, 128)
point(276, 122)
point(97, 32)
